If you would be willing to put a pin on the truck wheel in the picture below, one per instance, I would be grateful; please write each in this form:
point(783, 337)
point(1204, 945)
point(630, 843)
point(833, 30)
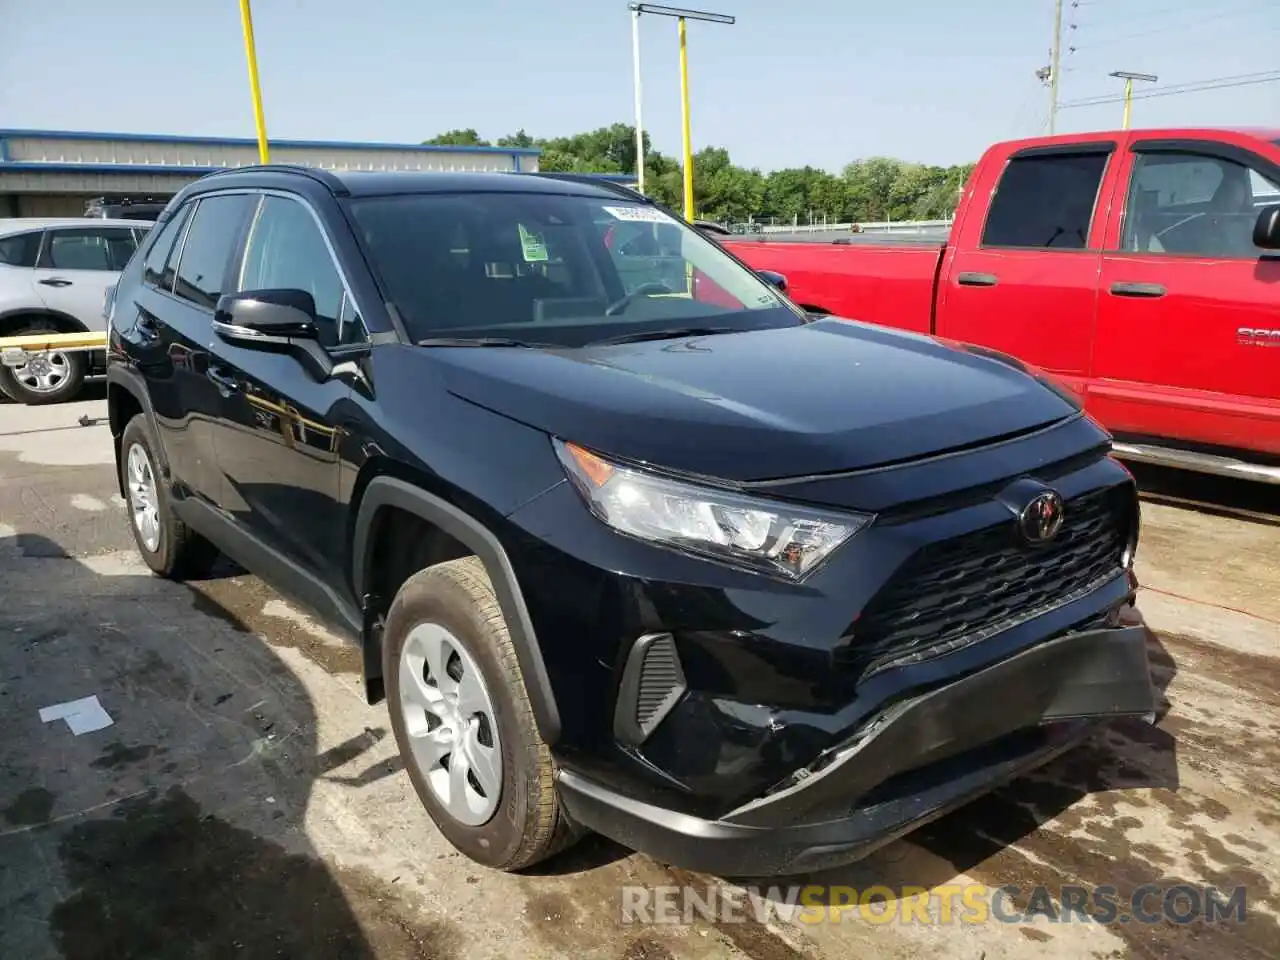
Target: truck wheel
point(463, 721)
point(45, 378)
point(168, 546)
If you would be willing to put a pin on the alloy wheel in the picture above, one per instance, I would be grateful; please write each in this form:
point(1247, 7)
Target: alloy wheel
point(143, 501)
point(43, 372)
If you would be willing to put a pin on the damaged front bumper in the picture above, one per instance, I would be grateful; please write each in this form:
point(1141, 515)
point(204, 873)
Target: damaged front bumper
point(914, 761)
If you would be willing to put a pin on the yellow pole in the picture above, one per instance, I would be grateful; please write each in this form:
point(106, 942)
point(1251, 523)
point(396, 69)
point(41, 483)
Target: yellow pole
point(255, 88)
point(1128, 100)
point(684, 112)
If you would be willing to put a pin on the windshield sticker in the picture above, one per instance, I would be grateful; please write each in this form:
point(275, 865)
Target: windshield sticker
point(535, 248)
point(638, 214)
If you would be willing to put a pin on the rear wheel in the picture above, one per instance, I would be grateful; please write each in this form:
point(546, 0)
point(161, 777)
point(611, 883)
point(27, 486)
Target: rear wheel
point(463, 721)
point(167, 545)
point(46, 377)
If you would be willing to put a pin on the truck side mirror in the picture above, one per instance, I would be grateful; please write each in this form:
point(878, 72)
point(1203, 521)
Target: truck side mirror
point(1266, 231)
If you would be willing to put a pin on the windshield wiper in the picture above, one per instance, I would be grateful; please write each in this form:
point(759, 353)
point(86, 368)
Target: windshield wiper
point(476, 342)
point(669, 333)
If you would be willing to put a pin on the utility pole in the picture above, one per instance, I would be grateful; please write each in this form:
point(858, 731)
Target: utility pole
point(635, 67)
point(1054, 63)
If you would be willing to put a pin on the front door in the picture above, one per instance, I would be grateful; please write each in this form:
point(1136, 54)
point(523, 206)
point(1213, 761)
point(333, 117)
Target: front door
point(77, 265)
point(1024, 282)
point(1184, 293)
point(277, 436)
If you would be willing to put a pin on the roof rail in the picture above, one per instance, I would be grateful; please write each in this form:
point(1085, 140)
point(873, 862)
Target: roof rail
point(325, 177)
point(620, 189)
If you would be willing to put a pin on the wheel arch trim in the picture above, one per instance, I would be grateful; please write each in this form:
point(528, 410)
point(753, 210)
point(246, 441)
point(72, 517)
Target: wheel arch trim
point(131, 383)
point(385, 491)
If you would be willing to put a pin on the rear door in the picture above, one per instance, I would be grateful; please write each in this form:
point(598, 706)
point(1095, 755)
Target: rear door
point(1184, 293)
point(1024, 280)
point(75, 267)
point(184, 274)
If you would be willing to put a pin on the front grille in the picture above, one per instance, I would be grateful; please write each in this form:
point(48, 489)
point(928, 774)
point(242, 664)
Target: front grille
point(961, 591)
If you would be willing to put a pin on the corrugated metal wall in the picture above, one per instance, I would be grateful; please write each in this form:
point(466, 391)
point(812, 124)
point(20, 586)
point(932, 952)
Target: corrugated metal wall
point(177, 153)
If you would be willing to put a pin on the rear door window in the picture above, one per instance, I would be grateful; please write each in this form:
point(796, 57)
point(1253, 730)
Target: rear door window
point(162, 250)
point(1045, 202)
point(206, 253)
point(90, 248)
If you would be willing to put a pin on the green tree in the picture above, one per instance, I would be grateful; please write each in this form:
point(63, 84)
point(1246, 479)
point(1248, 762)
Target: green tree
point(458, 138)
point(876, 188)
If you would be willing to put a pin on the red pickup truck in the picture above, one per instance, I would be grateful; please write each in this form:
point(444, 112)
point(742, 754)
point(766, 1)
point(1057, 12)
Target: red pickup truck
point(1139, 268)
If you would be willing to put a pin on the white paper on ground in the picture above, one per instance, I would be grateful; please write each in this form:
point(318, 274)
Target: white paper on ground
point(83, 716)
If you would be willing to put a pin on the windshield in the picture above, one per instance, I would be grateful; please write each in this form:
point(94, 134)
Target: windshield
point(553, 269)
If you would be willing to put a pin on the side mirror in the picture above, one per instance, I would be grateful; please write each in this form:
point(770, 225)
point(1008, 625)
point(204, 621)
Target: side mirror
point(275, 320)
point(1266, 230)
point(266, 317)
point(775, 280)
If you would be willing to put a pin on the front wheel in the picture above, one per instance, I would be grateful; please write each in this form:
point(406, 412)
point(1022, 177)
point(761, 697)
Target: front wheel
point(463, 721)
point(50, 377)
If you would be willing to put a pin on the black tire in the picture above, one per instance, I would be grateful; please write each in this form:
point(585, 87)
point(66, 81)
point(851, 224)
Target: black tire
point(180, 553)
point(529, 824)
point(74, 366)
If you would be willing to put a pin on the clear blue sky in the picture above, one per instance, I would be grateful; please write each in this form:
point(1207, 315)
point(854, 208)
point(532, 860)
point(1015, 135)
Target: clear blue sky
point(798, 82)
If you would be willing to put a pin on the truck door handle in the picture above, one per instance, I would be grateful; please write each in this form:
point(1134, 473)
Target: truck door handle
point(968, 279)
point(226, 382)
point(1147, 290)
point(55, 282)
point(147, 328)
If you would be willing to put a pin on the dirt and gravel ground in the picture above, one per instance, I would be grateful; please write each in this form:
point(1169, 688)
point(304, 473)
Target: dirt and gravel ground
point(245, 802)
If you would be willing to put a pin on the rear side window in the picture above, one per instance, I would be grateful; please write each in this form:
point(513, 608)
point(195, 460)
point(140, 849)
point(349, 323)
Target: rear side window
point(20, 250)
point(1045, 202)
point(153, 271)
point(215, 227)
point(93, 248)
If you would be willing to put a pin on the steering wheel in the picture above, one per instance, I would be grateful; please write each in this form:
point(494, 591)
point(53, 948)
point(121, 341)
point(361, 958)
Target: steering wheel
point(644, 290)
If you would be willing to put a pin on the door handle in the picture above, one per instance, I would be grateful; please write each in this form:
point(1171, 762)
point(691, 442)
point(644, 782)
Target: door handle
point(1146, 290)
point(227, 383)
point(968, 279)
point(55, 282)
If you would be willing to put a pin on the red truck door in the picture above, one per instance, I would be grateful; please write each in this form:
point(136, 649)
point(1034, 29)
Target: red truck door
point(1024, 278)
point(1188, 307)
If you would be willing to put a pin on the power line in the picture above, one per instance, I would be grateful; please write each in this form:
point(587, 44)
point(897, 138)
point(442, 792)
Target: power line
point(1166, 28)
point(1219, 83)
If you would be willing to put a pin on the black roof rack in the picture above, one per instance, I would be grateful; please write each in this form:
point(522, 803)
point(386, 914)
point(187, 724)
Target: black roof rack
point(325, 177)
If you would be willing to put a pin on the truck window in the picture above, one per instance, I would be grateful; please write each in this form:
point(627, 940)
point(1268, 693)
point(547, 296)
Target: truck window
point(1045, 201)
point(1194, 205)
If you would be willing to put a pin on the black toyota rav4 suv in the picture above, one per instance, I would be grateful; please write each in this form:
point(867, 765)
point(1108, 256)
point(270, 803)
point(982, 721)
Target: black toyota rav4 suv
point(631, 544)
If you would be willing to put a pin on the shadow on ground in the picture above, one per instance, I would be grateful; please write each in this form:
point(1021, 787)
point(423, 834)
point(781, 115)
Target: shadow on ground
point(179, 831)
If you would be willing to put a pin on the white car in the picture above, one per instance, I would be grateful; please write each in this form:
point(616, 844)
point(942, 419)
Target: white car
point(54, 277)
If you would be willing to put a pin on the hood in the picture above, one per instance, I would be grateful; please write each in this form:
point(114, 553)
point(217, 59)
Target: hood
point(824, 397)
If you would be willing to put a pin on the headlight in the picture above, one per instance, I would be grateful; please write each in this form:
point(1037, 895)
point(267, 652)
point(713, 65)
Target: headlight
point(762, 535)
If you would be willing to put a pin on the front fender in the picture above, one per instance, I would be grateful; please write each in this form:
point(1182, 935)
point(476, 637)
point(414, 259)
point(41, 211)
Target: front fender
point(385, 492)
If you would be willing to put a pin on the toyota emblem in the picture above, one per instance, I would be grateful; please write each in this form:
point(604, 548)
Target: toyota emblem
point(1041, 519)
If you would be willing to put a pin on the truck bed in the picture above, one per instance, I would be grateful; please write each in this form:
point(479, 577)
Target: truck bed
point(844, 237)
point(868, 278)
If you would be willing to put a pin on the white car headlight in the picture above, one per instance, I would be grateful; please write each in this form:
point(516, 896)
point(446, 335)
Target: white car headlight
point(763, 535)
